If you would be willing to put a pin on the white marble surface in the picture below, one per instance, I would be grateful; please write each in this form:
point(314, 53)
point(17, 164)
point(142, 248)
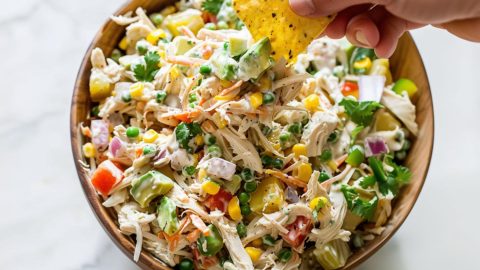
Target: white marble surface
point(45, 220)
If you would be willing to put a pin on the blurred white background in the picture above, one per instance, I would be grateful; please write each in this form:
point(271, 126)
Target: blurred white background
point(46, 222)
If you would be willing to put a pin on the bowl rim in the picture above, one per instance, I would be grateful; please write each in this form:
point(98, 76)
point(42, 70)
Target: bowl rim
point(147, 260)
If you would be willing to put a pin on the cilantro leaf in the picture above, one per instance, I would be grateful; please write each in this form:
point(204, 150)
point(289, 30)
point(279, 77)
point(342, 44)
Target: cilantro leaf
point(368, 181)
point(355, 133)
point(357, 205)
point(185, 132)
point(212, 6)
point(362, 112)
point(146, 72)
point(392, 181)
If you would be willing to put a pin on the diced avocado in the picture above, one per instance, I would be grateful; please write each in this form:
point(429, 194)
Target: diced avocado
point(149, 186)
point(256, 60)
point(182, 45)
point(224, 66)
point(167, 216)
point(238, 45)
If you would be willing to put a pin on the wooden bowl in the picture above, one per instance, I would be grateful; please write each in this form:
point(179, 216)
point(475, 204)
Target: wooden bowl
point(406, 62)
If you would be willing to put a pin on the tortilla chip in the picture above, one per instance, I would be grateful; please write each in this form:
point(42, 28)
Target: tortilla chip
point(289, 33)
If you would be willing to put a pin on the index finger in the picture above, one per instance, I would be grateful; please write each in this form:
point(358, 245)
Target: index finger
point(315, 8)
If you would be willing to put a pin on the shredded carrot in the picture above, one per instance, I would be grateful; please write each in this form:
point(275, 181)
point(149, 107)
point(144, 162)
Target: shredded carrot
point(339, 161)
point(230, 89)
point(187, 32)
point(160, 235)
point(289, 180)
point(187, 117)
point(138, 152)
point(207, 52)
point(202, 101)
point(172, 241)
point(193, 236)
point(86, 132)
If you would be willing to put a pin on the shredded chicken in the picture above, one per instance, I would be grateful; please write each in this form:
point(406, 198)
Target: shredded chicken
point(315, 135)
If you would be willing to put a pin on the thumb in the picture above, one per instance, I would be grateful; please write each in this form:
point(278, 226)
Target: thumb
point(316, 8)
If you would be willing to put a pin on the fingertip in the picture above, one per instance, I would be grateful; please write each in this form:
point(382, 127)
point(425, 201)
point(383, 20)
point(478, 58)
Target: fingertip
point(302, 7)
point(363, 32)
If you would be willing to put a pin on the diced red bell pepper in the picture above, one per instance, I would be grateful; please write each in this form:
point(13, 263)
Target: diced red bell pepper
point(106, 176)
point(219, 201)
point(350, 89)
point(298, 231)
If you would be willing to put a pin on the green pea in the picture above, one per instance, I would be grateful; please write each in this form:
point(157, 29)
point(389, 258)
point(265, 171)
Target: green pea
point(268, 98)
point(356, 156)
point(295, 128)
point(211, 244)
point(148, 149)
point(210, 26)
point(222, 25)
point(244, 198)
point(209, 139)
point(333, 137)
point(267, 160)
point(324, 176)
point(142, 47)
point(188, 170)
point(268, 240)
point(326, 155)
point(95, 111)
point(401, 155)
point(156, 18)
point(285, 255)
point(214, 150)
point(245, 209)
point(205, 70)
point(246, 174)
point(116, 54)
point(161, 96)
point(126, 97)
point(285, 137)
point(192, 98)
point(250, 186)
point(241, 230)
point(278, 163)
point(133, 132)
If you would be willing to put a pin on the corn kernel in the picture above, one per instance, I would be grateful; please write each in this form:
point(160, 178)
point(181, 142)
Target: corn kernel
point(365, 63)
point(174, 73)
point(150, 136)
point(256, 99)
point(299, 149)
point(202, 173)
point(312, 102)
point(199, 140)
point(258, 243)
point(210, 187)
point(304, 172)
point(265, 83)
point(333, 166)
point(168, 10)
point(100, 87)
point(136, 90)
point(225, 83)
point(219, 121)
point(88, 150)
point(234, 209)
point(254, 253)
point(123, 44)
point(155, 35)
point(318, 202)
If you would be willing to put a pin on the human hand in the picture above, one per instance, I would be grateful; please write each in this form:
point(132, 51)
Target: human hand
point(380, 23)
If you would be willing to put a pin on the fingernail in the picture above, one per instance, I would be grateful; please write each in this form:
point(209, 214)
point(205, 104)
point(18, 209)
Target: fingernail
point(302, 7)
point(362, 39)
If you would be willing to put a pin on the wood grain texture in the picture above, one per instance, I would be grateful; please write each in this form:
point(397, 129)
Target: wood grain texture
point(406, 62)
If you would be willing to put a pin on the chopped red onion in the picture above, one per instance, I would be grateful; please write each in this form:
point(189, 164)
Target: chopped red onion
point(100, 134)
point(371, 87)
point(115, 145)
point(291, 195)
point(375, 146)
point(221, 168)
